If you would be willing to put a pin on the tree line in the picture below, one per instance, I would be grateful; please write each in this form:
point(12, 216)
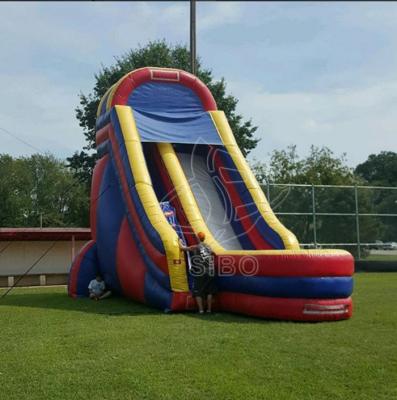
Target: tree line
point(43, 190)
point(322, 167)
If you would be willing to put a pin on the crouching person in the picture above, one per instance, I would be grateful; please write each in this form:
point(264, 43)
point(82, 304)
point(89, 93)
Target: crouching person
point(97, 289)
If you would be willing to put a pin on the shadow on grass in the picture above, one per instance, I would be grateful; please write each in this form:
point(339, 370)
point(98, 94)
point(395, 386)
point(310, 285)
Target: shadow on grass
point(225, 317)
point(113, 307)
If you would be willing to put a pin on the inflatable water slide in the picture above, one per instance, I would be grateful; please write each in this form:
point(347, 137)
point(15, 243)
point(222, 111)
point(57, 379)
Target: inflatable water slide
point(168, 168)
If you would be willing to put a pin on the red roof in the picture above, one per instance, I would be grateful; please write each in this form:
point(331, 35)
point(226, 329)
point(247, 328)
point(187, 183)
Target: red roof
point(22, 234)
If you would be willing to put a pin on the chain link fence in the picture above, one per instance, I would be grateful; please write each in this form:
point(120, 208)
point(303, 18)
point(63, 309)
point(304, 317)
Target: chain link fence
point(360, 219)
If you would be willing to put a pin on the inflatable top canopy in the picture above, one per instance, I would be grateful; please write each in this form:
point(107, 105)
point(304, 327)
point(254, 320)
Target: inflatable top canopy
point(168, 168)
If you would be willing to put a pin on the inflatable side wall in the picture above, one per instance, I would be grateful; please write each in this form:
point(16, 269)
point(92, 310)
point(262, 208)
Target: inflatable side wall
point(168, 168)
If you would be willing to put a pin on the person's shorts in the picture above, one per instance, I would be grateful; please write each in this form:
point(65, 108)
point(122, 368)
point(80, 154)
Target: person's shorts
point(204, 285)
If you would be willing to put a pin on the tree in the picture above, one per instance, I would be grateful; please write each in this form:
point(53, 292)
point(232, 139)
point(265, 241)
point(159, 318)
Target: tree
point(320, 167)
point(381, 170)
point(40, 186)
point(11, 181)
point(155, 54)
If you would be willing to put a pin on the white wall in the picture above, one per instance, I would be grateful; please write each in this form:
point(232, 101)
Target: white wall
point(17, 257)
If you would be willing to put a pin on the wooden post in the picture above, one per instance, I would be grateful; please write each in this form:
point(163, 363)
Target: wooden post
point(73, 248)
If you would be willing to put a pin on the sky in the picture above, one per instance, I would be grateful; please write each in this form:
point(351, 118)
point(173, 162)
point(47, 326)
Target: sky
point(305, 73)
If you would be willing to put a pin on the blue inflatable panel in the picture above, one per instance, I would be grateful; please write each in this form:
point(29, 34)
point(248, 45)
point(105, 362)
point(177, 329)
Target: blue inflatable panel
point(314, 288)
point(155, 295)
point(103, 148)
point(163, 97)
point(87, 271)
point(108, 226)
point(158, 185)
point(170, 128)
point(103, 120)
point(155, 272)
point(104, 101)
point(171, 113)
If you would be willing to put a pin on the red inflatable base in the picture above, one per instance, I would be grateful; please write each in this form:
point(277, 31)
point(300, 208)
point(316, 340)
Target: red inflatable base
point(286, 309)
point(273, 307)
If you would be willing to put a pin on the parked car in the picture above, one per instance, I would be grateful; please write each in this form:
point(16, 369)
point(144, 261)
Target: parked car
point(378, 245)
point(390, 246)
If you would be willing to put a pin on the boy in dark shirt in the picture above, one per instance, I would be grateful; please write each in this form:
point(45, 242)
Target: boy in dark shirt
point(203, 272)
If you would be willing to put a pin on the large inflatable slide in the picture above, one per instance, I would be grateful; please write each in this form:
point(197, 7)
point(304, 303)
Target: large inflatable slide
point(168, 168)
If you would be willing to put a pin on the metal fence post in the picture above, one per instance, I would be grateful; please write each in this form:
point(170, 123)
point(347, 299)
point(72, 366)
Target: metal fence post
point(357, 223)
point(193, 37)
point(314, 217)
point(268, 192)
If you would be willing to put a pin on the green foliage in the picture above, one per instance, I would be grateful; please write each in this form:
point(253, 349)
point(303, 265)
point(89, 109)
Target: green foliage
point(40, 185)
point(81, 165)
point(381, 170)
point(154, 54)
point(320, 167)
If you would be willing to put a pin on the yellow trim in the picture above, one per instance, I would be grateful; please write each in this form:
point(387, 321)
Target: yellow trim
point(98, 111)
point(226, 134)
point(143, 185)
point(110, 97)
point(185, 194)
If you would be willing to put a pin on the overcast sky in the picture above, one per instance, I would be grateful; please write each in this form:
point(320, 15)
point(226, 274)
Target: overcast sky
point(306, 73)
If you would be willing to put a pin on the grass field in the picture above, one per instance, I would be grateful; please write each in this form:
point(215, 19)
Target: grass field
point(381, 257)
point(52, 347)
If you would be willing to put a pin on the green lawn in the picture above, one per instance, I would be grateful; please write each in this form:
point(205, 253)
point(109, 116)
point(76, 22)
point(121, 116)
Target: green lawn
point(52, 347)
point(381, 257)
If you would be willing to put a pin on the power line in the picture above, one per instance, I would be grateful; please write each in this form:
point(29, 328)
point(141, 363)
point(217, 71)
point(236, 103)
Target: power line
point(20, 139)
point(5, 247)
point(29, 269)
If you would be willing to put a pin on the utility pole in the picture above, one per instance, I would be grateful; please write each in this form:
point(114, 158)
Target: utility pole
point(193, 36)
